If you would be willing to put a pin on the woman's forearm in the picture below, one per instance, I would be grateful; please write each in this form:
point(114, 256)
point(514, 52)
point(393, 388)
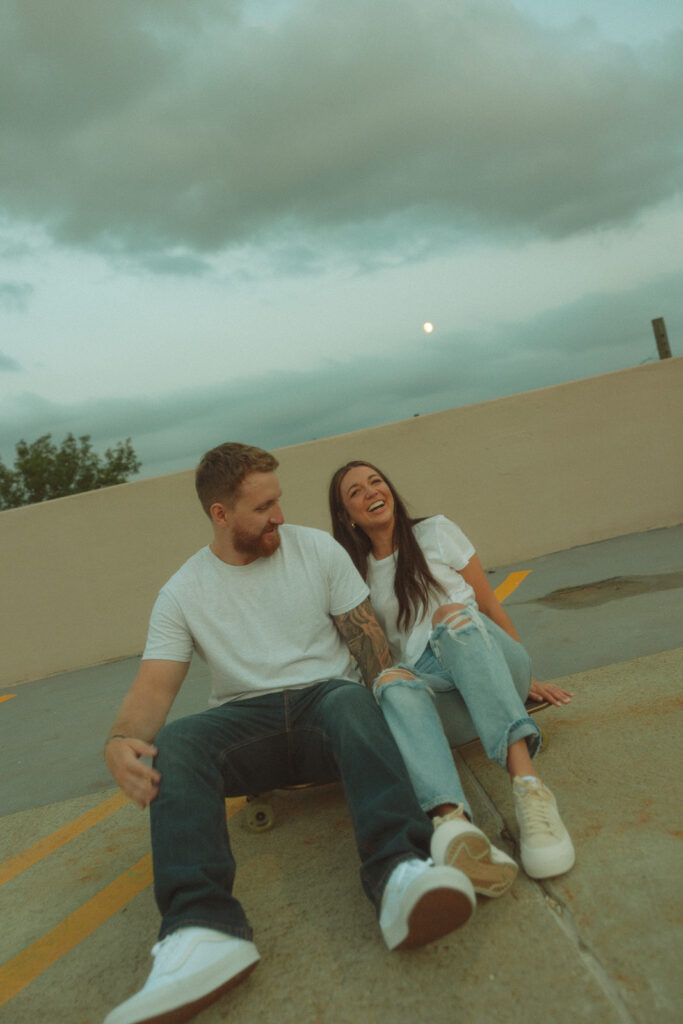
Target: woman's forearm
point(496, 613)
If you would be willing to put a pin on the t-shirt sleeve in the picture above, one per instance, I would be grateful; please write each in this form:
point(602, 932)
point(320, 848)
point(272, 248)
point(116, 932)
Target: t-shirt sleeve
point(455, 548)
point(168, 637)
point(347, 587)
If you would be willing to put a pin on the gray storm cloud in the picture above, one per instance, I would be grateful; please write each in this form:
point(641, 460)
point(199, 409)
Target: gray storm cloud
point(8, 364)
point(14, 295)
point(140, 127)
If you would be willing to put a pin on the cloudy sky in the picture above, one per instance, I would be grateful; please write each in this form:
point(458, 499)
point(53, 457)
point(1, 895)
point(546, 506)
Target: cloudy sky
point(230, 219)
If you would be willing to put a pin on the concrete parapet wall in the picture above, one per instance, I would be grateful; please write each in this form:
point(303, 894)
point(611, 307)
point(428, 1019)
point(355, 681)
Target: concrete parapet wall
point(523, 476)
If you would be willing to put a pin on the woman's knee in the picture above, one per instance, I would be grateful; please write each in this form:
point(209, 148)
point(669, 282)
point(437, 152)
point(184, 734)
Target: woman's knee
point(393, 675)
point(402, 694)
point(454, 616)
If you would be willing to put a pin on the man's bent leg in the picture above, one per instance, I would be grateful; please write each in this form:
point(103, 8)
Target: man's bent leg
point(202, 759)
point(204, 946)
point(339, 732)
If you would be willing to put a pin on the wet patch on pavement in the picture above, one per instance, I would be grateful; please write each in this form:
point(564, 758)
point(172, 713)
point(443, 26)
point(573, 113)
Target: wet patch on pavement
point(616, 587)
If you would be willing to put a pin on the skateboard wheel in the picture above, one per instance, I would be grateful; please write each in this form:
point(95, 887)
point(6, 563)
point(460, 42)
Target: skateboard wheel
point(260, 817)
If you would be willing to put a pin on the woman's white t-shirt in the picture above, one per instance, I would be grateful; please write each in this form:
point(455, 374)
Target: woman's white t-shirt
point(446, 550)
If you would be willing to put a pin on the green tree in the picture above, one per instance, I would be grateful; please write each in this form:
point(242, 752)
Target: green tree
point(43, 471)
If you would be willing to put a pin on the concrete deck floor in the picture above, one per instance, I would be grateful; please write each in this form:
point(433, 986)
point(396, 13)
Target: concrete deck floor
point(600, 943)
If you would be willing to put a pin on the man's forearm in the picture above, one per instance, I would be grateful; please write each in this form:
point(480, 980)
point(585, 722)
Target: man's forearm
point(130, 739)
point(147, 703)
point(139, 720)
point(365, 638)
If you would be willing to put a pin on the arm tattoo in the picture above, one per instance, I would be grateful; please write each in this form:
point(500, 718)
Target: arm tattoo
point(364, 637)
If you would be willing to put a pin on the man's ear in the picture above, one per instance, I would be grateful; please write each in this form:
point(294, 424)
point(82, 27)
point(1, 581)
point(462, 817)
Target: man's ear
point(220, 514)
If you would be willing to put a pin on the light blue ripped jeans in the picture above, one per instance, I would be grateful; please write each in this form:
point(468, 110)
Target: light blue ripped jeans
point(473, 681)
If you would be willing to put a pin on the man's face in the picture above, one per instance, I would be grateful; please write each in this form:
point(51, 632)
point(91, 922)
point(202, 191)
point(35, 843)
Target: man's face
point(256, 516)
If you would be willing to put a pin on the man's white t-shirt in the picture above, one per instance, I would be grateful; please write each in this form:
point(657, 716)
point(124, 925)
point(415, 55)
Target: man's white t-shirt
point(265, 626)
point(446, 550)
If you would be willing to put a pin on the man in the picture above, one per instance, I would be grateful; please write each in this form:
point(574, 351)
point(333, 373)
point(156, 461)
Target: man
point(276, 611)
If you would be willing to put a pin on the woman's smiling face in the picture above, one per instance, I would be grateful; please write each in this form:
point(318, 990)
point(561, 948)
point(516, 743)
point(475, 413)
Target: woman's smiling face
point(367, 498)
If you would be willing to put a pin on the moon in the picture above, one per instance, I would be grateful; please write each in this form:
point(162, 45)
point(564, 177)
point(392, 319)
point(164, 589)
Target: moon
point(428, 327)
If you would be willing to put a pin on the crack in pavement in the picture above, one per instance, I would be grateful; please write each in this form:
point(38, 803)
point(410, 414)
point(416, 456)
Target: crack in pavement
point(561, 914)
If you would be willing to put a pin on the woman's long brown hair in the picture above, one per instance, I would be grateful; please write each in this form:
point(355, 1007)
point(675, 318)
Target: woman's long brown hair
point(413, 582)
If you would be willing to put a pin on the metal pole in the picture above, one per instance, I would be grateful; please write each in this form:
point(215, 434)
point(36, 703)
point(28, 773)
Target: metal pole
point(663, 347)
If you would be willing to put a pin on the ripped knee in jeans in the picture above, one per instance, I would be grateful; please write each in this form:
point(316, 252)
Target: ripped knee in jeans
point(453, 616)
point(391, 675)
point(395, 674)
point(457, 619)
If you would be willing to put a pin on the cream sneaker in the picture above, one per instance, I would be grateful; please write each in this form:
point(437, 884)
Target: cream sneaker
point(545, 846)
point(456, 841)
point(192, 967)
point(421, 902)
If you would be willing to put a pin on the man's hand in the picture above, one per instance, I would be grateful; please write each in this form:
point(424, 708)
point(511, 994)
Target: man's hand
point(142, 713)
point(138, 780)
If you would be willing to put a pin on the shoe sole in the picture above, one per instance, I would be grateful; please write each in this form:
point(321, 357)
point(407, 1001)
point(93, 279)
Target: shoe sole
point(549, 864)
point(473, 855)
point(186, 1012)
point(180, 1014)
point(435, 914)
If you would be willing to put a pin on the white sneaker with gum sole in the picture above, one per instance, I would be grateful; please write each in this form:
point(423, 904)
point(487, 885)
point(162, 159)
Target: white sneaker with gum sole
point(422, 902)
point(546, 848)
point(192, 967)
point(456, 841)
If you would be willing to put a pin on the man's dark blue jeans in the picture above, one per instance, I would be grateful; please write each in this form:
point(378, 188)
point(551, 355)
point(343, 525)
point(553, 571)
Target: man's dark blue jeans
point(330, 731)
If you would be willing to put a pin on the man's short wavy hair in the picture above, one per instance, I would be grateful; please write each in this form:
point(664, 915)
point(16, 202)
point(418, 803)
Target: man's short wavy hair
point(221, 471)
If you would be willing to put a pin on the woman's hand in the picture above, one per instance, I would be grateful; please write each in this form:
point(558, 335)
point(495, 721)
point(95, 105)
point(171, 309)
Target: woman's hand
point(549, 691)
point(138, 780)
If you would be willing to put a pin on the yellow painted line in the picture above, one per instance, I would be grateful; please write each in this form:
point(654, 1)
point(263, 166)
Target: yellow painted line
point(24, 968)
point(19, 972)
point(8, 696)
point(510, 584)
point(32, 854)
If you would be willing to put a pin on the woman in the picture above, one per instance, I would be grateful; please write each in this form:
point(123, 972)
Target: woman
point(445, 624)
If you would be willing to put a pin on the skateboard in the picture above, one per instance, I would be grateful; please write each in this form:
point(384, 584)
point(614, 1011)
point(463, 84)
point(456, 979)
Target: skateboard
point(259, 813)
point(532, 706)
point(535, 705)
